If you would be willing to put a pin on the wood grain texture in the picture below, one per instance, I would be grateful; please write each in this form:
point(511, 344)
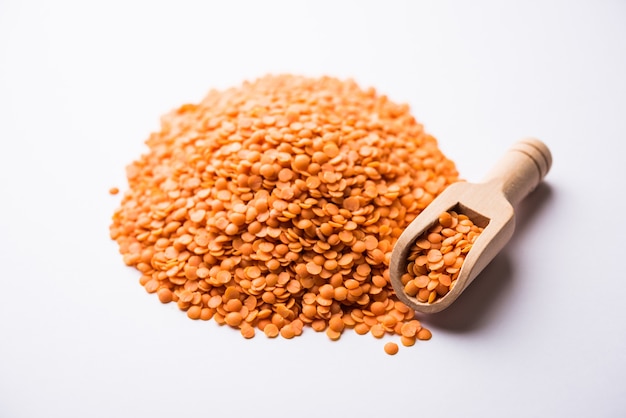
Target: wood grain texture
point(488, 204)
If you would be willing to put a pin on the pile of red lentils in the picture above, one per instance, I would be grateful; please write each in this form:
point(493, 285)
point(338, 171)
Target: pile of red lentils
point(274, 206)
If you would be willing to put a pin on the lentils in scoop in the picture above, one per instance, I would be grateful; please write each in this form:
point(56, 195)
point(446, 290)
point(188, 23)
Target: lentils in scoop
point(275, 205)
point(437, 256)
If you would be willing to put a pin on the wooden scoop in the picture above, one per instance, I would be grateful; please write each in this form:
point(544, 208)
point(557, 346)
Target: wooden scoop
point(489, 205)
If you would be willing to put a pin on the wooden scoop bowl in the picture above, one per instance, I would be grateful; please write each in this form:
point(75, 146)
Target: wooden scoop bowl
point(488, 204)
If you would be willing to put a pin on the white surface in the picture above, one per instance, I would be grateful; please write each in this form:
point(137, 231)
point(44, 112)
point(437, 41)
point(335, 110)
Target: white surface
point(541, 333)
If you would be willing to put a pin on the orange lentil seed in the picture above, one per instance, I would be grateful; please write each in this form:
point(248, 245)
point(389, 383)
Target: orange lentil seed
point(247, 331)
point(271, 330)
point(391, 348)
point(165, 295)
point(424, 334)
point(266, 207)
point(407, 341)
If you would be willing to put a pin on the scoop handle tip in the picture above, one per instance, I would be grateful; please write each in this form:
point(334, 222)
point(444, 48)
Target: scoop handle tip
point(521, 169)
point(537, 151)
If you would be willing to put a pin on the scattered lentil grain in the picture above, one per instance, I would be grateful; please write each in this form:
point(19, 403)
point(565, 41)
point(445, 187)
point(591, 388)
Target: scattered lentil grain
point(276, 204)
point(391, 348)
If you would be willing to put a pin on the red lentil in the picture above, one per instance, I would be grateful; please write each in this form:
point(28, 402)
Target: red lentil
point(391, 348)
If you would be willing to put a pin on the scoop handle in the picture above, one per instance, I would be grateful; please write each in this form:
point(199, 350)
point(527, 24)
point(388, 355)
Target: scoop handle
point(521, 169)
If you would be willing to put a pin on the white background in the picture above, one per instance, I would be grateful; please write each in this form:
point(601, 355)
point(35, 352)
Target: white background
point(542, 333)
